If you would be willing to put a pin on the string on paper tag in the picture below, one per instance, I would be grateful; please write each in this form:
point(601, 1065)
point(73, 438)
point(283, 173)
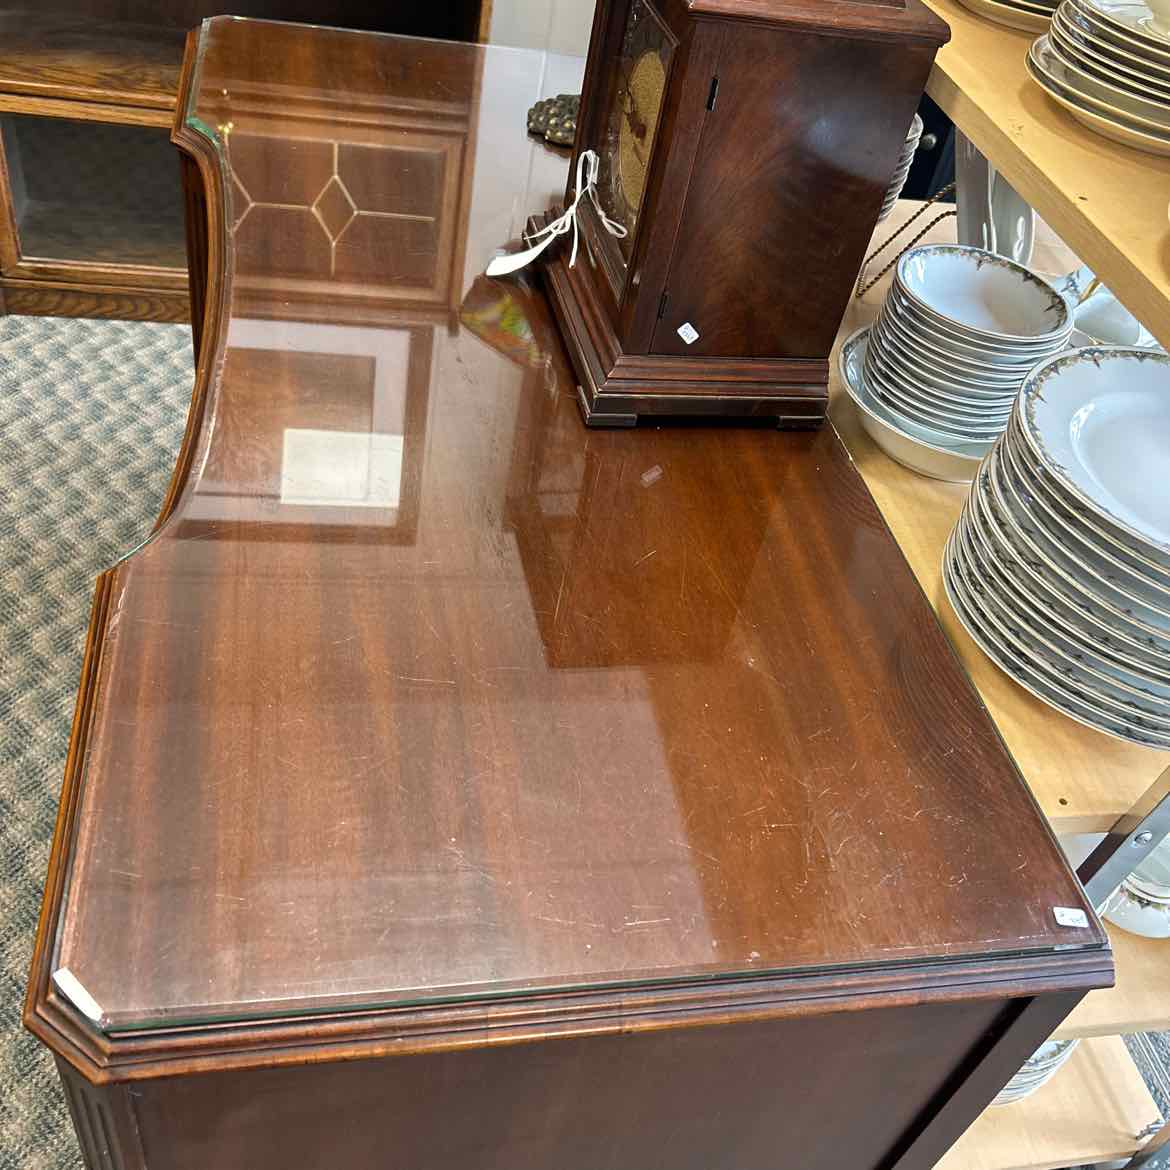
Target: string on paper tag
point(587, 168)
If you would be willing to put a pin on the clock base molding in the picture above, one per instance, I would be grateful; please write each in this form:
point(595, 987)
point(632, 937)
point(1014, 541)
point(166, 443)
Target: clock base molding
point(615, 389)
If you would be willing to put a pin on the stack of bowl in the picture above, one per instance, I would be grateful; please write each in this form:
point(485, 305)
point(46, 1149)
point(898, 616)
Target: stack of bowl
point(1059, 566)
point(1141, 904)
point(1039, 1068)
point(958, 332)
point(902, 169)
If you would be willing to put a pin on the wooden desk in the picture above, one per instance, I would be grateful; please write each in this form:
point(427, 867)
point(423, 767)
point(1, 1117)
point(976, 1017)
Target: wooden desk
point(453, 784)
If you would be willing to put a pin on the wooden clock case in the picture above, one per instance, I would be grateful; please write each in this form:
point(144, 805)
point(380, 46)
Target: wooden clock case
point(779, 128)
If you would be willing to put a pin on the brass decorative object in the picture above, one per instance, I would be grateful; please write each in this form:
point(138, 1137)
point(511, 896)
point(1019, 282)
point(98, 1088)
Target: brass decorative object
point(555, 119)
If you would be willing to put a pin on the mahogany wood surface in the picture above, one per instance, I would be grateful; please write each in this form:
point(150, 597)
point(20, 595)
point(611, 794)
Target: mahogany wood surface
point(451, 779)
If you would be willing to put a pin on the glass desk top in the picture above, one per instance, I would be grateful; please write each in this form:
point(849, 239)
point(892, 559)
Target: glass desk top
point(423, 692)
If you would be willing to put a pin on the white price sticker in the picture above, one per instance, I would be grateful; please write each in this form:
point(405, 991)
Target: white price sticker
point(688, 333)
point(1068, 916)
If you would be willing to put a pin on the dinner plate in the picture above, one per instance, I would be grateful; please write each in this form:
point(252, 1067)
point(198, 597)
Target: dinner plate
point(1144, 710)
point(1097, 527)
point(1030, 570)
point(1099, 418)
point(1133, 18)
point(1109, 99)
point(1104, 30)
point(1029, 18)
point(1077, 570)
point(1114, 128)
point(1091, 55)
point(1082, 543)
point(1072, 642)
point(1016, 667)
point(1103, 610)
point(954, 462)
point(1025, 584)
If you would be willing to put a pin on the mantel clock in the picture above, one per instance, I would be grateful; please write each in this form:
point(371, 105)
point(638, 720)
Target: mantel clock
point(744, 148)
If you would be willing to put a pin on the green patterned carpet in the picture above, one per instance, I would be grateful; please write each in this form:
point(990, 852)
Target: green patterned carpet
point(91, 414)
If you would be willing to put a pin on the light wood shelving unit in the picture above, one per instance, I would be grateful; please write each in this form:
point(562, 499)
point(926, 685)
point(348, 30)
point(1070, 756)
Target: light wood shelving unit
point(1053, 1128)
point(1108, 204)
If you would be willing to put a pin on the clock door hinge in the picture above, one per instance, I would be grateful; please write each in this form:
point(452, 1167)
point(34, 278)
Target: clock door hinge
point(714, 92)
point(662, 306)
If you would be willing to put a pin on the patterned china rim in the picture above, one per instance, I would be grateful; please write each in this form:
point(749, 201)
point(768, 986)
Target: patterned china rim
point(1116, 129)
point(942, 346)
point(1017, 352)
point(1136, 648)
point(1131, 17)
point(940, 364)
point(1028, 18)
point(977, 401)
point(1044, 596)
point(1096, 525)
point(1072, 40)
point(964, 412)
point(1110, 99)
point(898, 402)
point(1056, 303)
point(1032, 394)
point(1079, 536)
point(1105, 611)
point(1124, 703)
point(1017, 669)
point(965, 456)
point(1074, 643)
point(1115, 35)
point(1099, 589)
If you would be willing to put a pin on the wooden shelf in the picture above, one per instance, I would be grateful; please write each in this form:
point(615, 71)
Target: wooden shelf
point(1082, 779)
point(1140, 1002)
point(1092, 1110)
point(1107, 201)
point(50, 55)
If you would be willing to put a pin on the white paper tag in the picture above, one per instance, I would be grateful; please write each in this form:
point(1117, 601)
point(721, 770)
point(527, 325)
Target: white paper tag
point(70, 987)
point(1067, 916)
point(688, 333)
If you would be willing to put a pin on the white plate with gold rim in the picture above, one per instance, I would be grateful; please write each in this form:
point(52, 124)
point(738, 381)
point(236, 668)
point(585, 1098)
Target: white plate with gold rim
point(1114, 128)
point(1072, 45)
point(1027, 18)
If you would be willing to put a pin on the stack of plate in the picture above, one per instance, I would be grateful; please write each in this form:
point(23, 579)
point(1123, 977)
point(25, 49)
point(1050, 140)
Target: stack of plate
point(1039, 1068)
point(902, 169)
point(1108, 63)
point(1030, 15)
point(1059, 566)
point(1141, 904)
point(959, 330)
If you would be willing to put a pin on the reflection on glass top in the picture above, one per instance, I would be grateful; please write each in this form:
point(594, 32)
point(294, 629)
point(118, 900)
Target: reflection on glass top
point(424, 691)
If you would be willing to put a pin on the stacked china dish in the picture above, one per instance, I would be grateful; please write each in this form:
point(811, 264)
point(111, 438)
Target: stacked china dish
point(902, 169)
point(1029, 15)
point(1059, 566)
point(1038, 1069)
point(958, 332)
point(1108, 63)
point(1141, 904)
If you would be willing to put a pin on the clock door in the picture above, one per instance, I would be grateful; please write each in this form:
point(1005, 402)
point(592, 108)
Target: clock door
point(631, 103)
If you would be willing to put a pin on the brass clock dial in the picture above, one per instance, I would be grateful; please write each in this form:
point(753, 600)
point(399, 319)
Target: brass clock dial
point(636, 135)
point(635, 103)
